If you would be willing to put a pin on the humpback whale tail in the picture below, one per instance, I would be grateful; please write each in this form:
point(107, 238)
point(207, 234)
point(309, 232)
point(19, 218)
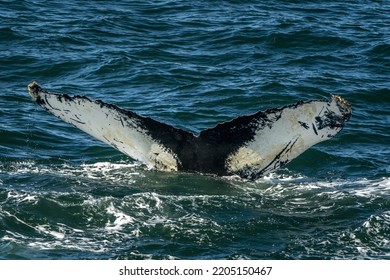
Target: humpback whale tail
point(249, 146)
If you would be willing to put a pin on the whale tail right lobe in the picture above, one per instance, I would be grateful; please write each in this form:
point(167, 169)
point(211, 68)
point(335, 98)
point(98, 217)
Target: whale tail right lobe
point(254, 145)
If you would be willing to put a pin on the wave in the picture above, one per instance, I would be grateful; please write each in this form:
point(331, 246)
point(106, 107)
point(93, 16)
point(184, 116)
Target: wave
point(120, 210)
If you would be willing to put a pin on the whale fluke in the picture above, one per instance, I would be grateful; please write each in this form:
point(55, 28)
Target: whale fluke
point(249, 146)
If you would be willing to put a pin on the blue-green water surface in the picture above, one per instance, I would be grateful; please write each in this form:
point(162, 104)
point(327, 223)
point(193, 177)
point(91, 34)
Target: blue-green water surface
point(193, 64)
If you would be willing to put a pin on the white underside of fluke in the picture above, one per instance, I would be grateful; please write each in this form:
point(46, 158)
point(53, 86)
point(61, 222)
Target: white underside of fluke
point(292, 131)
point(111, 126)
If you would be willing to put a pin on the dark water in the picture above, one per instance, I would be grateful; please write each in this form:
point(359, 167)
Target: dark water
point(193, 64)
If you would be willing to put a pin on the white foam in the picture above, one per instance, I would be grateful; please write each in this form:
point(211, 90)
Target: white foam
point(372, 187)
point(63, 237)
point(124, 172)
point(45, 229)
point(121, 219)
point(22, 197)
point(108, 169)
point(78, 244)
point(144, 201)
point(372, 227)
point(279, 184)
point(280, 178)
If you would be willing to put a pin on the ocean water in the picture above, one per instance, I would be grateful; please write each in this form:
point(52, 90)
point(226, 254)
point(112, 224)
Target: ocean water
point(193, 64)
